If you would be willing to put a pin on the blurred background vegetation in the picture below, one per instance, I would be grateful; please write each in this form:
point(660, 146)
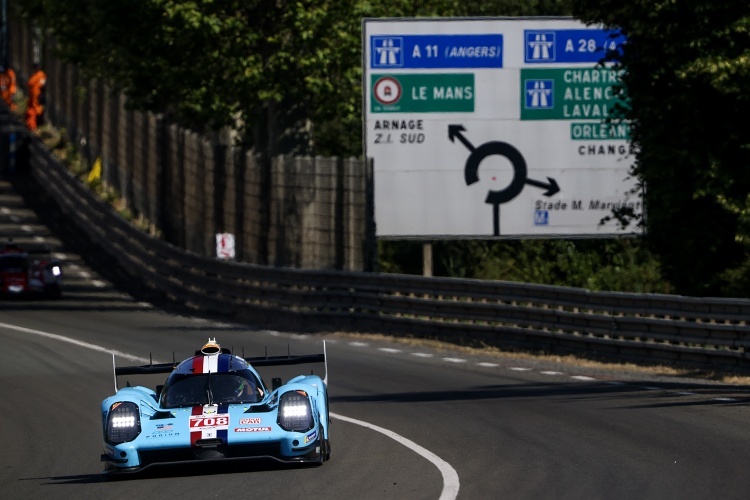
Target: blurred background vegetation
point(243, 65)
point(615, 264)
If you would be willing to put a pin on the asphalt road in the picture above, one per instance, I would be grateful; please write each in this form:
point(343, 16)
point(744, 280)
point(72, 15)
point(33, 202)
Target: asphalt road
point(410, 421)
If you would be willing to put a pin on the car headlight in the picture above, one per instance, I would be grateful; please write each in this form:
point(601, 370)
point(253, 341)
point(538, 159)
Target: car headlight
point(123, 422)
point(56, 271)
point(295, 413)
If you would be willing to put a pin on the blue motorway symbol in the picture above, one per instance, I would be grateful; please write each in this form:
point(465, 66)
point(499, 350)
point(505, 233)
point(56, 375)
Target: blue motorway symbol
point(541, 217)
point(539, 94)
point(570, 46)
point(387, 52)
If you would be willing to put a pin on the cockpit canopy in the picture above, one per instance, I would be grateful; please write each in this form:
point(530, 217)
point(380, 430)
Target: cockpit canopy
point(218, 379)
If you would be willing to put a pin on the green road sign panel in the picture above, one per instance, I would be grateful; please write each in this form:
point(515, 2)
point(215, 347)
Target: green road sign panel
point(599, 131)
point(568, 93)
point(423, 93)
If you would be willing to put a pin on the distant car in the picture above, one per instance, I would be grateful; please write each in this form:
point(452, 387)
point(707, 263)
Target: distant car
point(21, 275)
point(214, 406)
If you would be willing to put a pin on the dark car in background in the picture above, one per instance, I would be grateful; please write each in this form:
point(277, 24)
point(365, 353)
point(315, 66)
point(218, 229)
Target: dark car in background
point(22, 275)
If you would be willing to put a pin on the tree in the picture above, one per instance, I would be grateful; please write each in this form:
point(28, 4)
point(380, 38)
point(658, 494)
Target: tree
point(292, 71)
point(286, 78)
point(686, 78)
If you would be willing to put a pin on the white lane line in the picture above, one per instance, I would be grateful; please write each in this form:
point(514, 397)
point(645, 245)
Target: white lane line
point(650, 388)
point(389, 350)
point(488, 365)
point(519, 369)
point(421, 354)
point(549, 372)
point(39, 239)
point(450, 476)
point(26, 228)
point(358, 344)
point(4, 210)
point(724, 399)
point(454, 360)
point(79, 343)
point(60, 256)
point(84, 274)
point(99, 284)
point(583, 377)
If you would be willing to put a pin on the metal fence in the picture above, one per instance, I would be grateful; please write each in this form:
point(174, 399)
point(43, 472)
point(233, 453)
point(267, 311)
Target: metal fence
point(707, 333)
point(302, 212)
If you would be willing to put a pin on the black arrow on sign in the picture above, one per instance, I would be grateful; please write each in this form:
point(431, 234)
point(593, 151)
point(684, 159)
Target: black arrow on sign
point(551, 186)
point(498, 148)
point(455, 131)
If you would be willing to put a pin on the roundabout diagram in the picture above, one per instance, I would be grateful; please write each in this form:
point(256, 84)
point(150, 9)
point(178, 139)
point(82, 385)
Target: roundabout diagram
point(516, 159)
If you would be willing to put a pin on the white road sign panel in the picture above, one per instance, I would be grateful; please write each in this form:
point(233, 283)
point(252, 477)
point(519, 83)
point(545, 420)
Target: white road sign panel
point(487, 128)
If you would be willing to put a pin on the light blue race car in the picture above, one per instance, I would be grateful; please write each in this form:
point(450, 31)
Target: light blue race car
point(215, 406)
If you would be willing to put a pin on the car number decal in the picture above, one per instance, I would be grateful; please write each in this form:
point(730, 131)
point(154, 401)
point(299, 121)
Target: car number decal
point(200, 423)
point(209, 422)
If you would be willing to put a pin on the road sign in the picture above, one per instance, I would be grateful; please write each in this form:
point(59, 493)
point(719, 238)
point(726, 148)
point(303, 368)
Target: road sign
point(436, 51)
point(225, 246)
point(548, 46)
point(494, 128)
point(420, 93)
point(569, 93)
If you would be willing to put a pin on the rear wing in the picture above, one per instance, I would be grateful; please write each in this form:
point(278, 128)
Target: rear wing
point(156, 368)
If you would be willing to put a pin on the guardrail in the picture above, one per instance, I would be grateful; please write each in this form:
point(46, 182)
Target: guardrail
point(707, 333)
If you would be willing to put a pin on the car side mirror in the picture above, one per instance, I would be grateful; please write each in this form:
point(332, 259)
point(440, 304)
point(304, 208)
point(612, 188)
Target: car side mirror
point(276, 383)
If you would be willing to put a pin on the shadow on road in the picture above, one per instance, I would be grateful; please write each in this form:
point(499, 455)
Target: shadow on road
point(663, 394)
point(177, 470)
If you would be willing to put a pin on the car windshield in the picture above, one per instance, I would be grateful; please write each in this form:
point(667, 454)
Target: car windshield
point(213, 388)
point(12, 264)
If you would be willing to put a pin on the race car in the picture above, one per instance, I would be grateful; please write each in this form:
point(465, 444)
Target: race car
point(23, 276)
point(215, 406)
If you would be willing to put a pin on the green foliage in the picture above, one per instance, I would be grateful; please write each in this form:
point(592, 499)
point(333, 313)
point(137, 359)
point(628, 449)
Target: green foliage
point(624, 265)
point(687, 68)
point(400, 257)
point(243, 65)
point(72, 159)
point(232, 62)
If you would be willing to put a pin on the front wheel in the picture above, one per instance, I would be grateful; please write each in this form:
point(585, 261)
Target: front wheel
point(325, 446)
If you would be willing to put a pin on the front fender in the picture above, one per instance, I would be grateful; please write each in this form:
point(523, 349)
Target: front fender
point(318, 393)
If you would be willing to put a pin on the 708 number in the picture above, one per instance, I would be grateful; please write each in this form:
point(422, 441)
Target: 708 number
point(209, 422)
